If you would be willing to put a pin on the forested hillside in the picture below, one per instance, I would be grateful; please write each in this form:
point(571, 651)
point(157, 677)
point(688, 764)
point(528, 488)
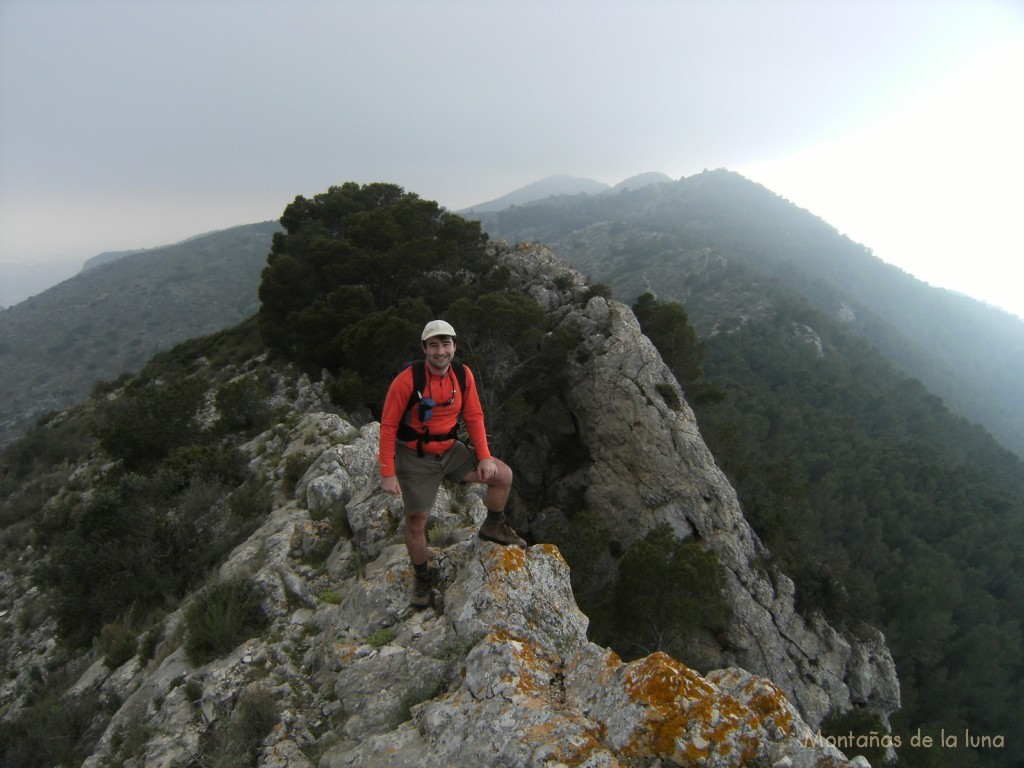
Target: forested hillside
point(112, 318)
point(714, 241)
point(884, 507)
point(882, 503)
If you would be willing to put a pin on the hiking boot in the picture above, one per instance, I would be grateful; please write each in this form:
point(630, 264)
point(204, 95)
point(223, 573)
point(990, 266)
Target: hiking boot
point(500, 532)
point(421, 590)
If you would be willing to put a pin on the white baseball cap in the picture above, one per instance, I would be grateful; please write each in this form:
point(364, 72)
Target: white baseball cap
point(437, 328)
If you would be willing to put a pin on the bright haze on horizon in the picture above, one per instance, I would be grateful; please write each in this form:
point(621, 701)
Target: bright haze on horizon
point(130, 125)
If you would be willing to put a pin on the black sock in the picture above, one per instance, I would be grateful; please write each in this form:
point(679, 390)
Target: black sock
point(495, 517)
point(421, 569)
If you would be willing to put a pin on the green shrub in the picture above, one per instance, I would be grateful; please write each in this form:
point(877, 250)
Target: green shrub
point(441, 536)
point(670, 396)
point(295, 467)
point(382, 637)
point(599, 289)
point(136, 543)
point(118, 643)
point(222, 615)
point(193, 691)
point(53, 730)
point(242, 407)
point(130, 739)
point(668, 589)
point(860, 723)
point(253, 500)
point(331, 596)
point(254, 716)
point(103, 388)
point(148, 421)
point(236, 743)
point(667, 326)
point(208, 461)
point(231, 346)
point(51, 442)
point(337, 515)
point(150, 640)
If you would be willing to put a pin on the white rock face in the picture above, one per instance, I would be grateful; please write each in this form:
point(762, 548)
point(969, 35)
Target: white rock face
point(649, 465)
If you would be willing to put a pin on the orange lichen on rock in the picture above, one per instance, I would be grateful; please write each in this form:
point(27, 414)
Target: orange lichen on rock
point(771, 705)
point(553, 551)
point(345, 652)
point(534, 668)
point(567, 741)
point(506, 559)
point(688, 719)
point(777, 717)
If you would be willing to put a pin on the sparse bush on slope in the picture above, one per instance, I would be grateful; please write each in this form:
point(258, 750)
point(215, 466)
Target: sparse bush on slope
point(220, 616)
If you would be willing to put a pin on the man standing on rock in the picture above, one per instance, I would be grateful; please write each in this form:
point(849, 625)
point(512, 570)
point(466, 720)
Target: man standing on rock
point(418, 448)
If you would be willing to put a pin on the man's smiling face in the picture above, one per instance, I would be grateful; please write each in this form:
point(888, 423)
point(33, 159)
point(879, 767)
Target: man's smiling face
point(440, 351)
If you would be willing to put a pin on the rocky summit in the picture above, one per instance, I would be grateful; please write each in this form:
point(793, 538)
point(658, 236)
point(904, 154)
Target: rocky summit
point(499, 670)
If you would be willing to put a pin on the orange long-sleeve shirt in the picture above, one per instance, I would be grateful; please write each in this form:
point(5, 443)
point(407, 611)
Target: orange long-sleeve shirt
point(442, 419)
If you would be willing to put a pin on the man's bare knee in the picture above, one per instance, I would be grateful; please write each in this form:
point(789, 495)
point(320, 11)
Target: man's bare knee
point(416, 520)
point(504, 474)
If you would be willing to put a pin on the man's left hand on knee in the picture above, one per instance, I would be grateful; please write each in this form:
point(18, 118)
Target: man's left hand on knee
point(486, 469)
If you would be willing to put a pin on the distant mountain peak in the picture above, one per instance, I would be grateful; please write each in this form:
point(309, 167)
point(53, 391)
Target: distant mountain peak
point(563, 184)
point(549, 186)
point(642, 180)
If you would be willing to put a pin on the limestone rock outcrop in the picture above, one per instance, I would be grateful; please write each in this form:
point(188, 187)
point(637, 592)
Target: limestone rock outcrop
point(649, 465)
point(498, 672)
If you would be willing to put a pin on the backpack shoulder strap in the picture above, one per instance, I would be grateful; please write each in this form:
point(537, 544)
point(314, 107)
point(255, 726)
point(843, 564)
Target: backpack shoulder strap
point(460, 374)
point(419, 382)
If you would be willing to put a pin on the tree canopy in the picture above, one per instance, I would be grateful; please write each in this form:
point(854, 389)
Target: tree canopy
point(668, 326)
point(359, 269)
point(883, 507)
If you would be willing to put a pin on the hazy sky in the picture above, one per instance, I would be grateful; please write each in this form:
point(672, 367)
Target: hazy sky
point(136, 123)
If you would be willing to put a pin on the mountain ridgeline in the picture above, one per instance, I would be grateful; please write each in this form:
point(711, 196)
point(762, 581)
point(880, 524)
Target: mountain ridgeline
point(719, 244)
point(869, 499)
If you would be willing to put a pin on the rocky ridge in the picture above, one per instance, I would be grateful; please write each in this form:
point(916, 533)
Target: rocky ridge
point(649, 465)
point(500, 672)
